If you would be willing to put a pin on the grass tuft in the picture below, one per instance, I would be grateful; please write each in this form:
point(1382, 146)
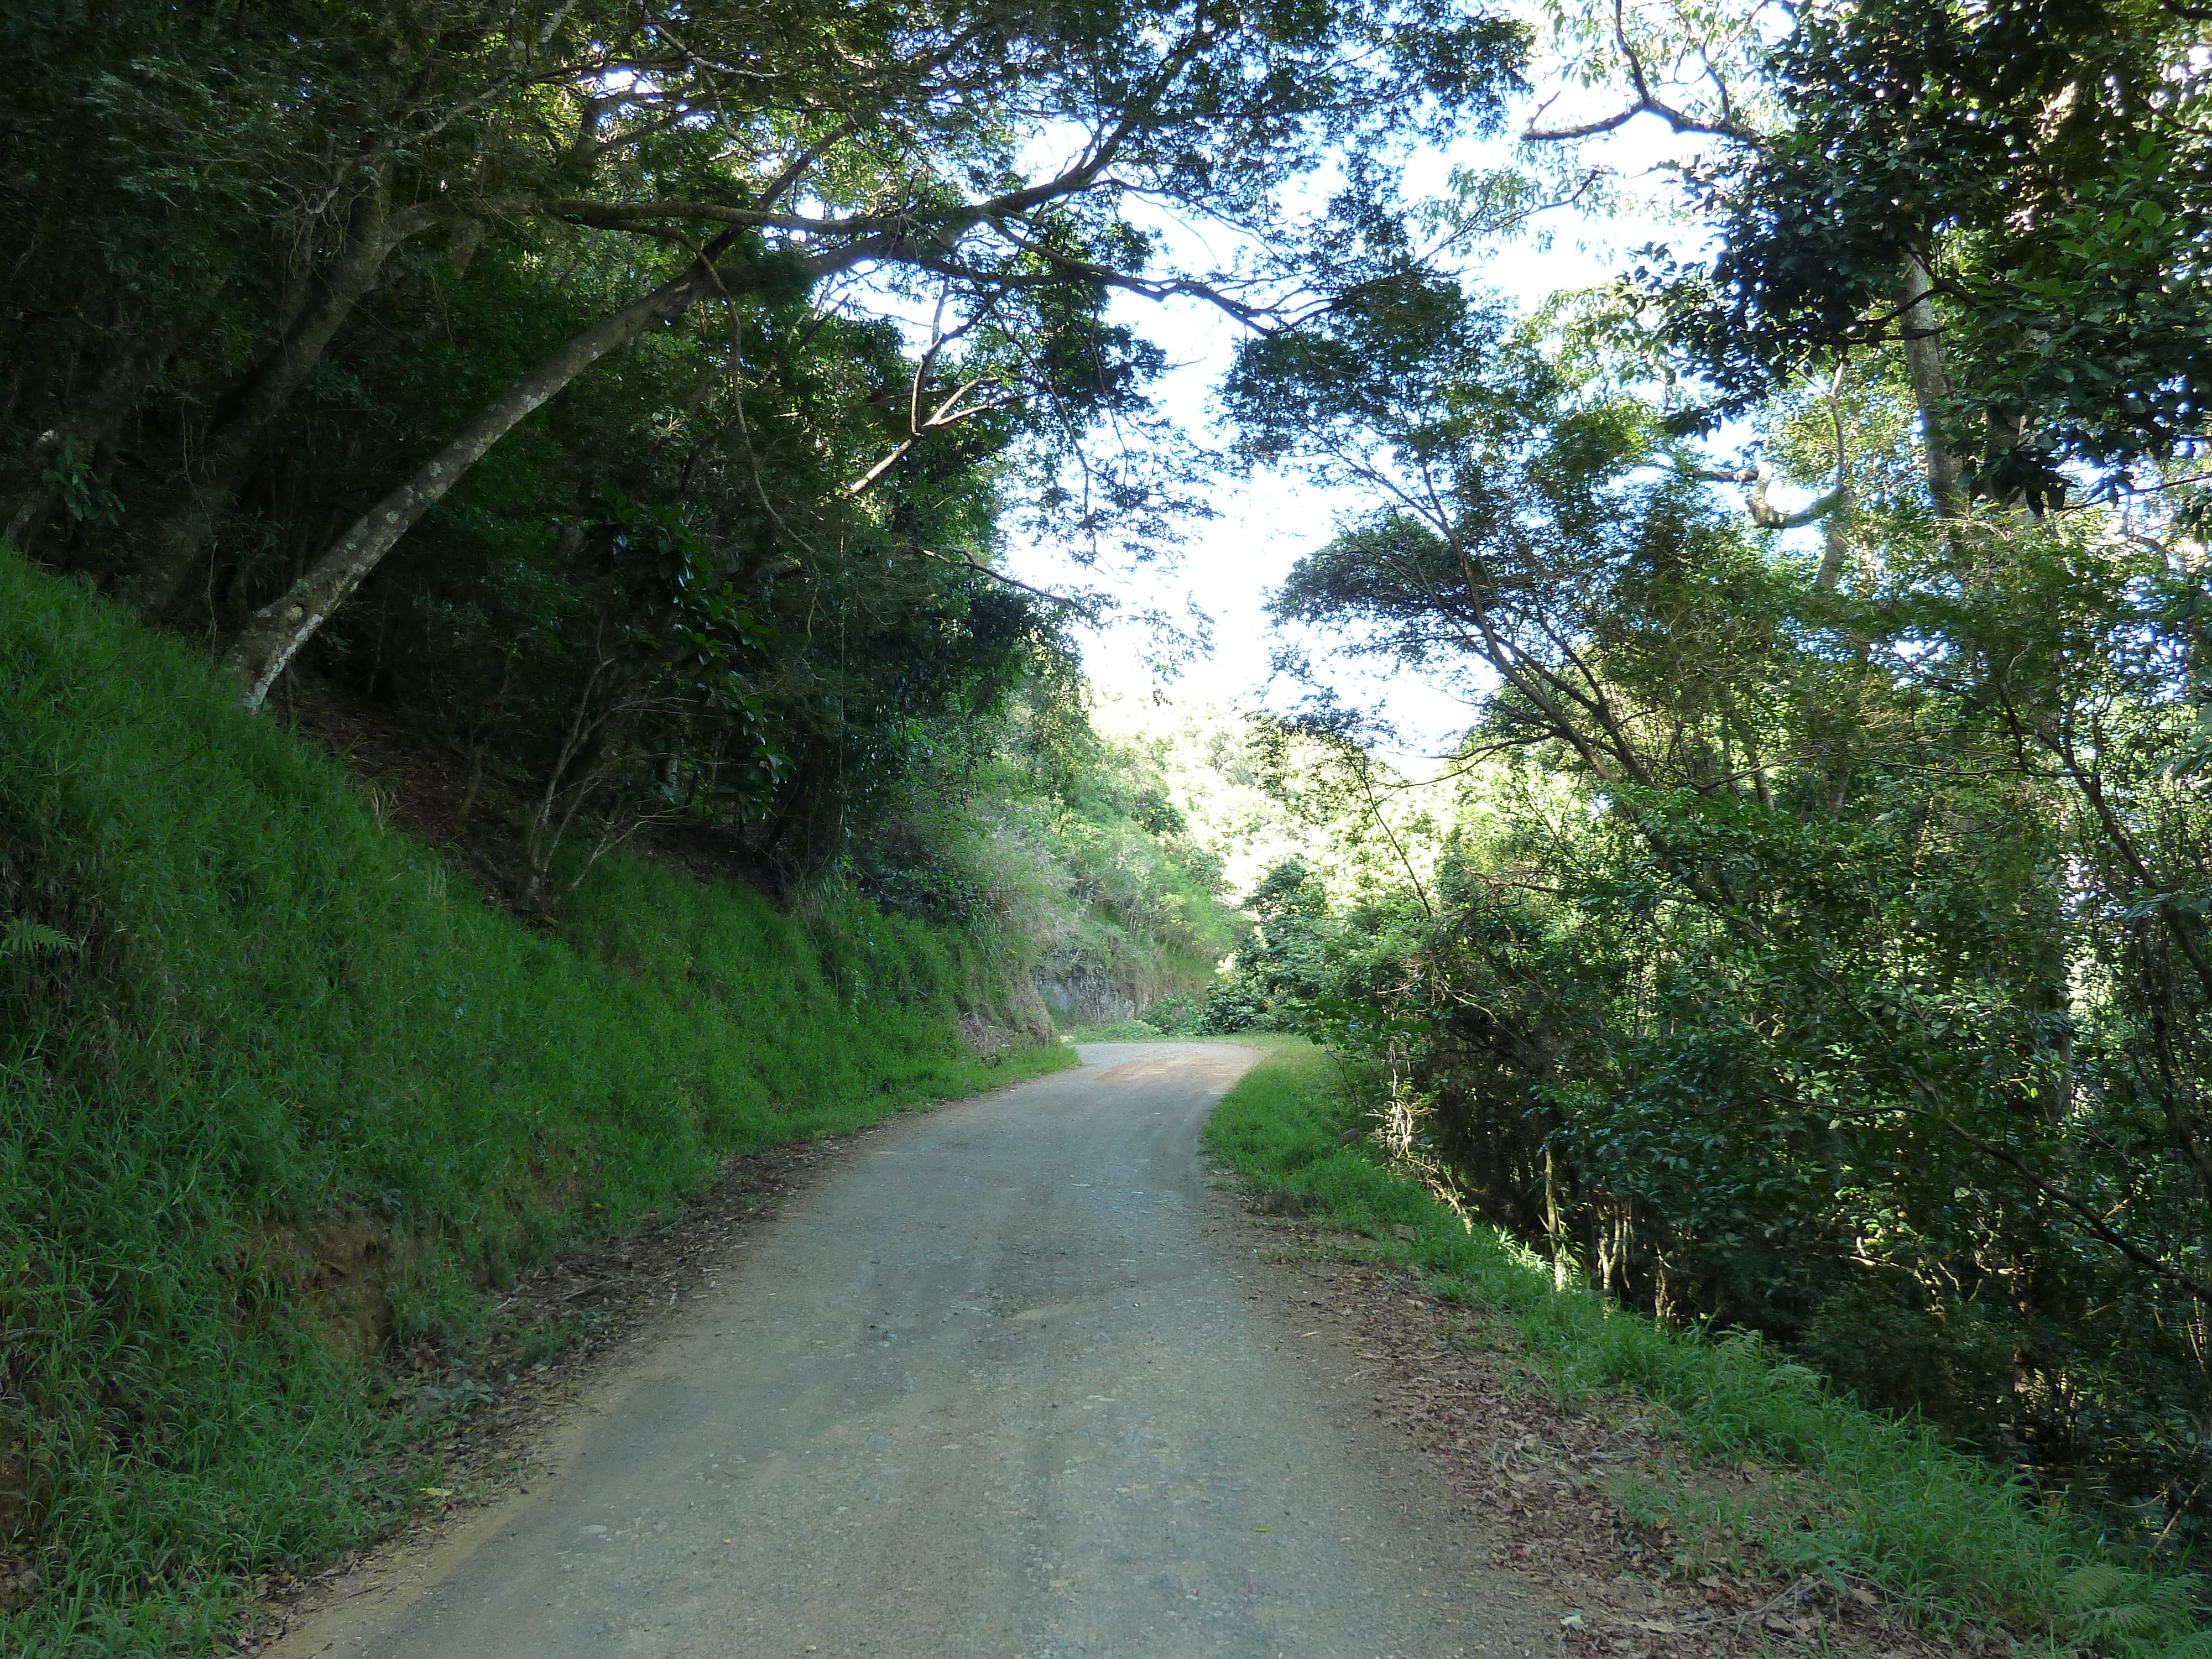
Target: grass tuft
point(1126, 1031)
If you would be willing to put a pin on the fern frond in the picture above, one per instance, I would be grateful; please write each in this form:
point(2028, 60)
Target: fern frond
point(21, 936)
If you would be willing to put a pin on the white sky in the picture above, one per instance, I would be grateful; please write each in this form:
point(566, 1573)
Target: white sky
point(1265, 524)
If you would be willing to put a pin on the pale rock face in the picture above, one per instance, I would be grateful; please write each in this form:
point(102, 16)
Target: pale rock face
point(1083, 993)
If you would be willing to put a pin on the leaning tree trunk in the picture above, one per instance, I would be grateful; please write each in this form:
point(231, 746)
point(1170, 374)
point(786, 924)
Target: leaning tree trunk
point(276, 633)
point(1835, 529)
point(180, 543)
point(1931, 387)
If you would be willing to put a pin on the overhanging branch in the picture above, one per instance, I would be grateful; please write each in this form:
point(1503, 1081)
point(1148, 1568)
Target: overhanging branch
point(966, 562)
point(1646, 102)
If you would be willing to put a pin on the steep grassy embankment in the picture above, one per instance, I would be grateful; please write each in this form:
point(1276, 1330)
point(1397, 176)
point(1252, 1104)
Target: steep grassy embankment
point(274, 1089)
point(1880, 1500)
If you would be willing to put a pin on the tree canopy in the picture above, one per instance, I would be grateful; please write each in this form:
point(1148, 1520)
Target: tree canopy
point(309, 297)
point(1810, 935)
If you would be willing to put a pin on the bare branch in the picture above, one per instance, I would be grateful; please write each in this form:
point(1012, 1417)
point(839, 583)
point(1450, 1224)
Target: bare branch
point(981, 569)
point(1647, 103)
point(946, 415)
point(2085, 1212)
point(796, 167)
point(1764, 512)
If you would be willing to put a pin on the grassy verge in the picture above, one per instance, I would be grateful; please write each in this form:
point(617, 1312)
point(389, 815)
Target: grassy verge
point(1127, 1030)
point(1880, 1501)
point(1172, 1021)
point(277, 1094)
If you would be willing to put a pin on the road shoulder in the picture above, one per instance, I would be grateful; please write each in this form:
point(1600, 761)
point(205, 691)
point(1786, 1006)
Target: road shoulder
point(620, 1298)
point(1544, 1489)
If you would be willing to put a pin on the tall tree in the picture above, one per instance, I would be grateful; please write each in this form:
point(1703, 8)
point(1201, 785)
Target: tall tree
point(2018, 194)
point(746, 152)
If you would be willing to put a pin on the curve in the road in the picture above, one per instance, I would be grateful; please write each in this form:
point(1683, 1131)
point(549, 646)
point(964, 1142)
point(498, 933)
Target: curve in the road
point(995, 1388)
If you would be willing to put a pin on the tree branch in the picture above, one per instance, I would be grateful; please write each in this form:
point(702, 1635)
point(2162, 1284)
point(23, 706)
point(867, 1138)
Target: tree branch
point(2083, 1212)
point(944, 416)
point(1764, 512)
point(1646, 103)
point(966, 562)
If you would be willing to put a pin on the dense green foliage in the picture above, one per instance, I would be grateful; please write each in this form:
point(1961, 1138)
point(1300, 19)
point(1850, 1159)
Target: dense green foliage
point(1880, 1500)
point(308, 299)
point(632, 401)
point(2046, 170)
point(620, 404)
point(236, 1013)
point(1815, 940)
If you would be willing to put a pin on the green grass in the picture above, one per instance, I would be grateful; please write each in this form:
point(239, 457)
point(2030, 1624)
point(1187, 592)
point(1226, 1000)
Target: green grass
point(1125, 1030)
point(1878, 1501)
point(1172, 1019)
point(234, 1008)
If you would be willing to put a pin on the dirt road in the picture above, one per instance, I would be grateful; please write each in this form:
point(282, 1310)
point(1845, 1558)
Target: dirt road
point(1003, 1385)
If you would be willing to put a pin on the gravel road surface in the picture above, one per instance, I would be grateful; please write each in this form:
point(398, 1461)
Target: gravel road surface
point(1002, 1385)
